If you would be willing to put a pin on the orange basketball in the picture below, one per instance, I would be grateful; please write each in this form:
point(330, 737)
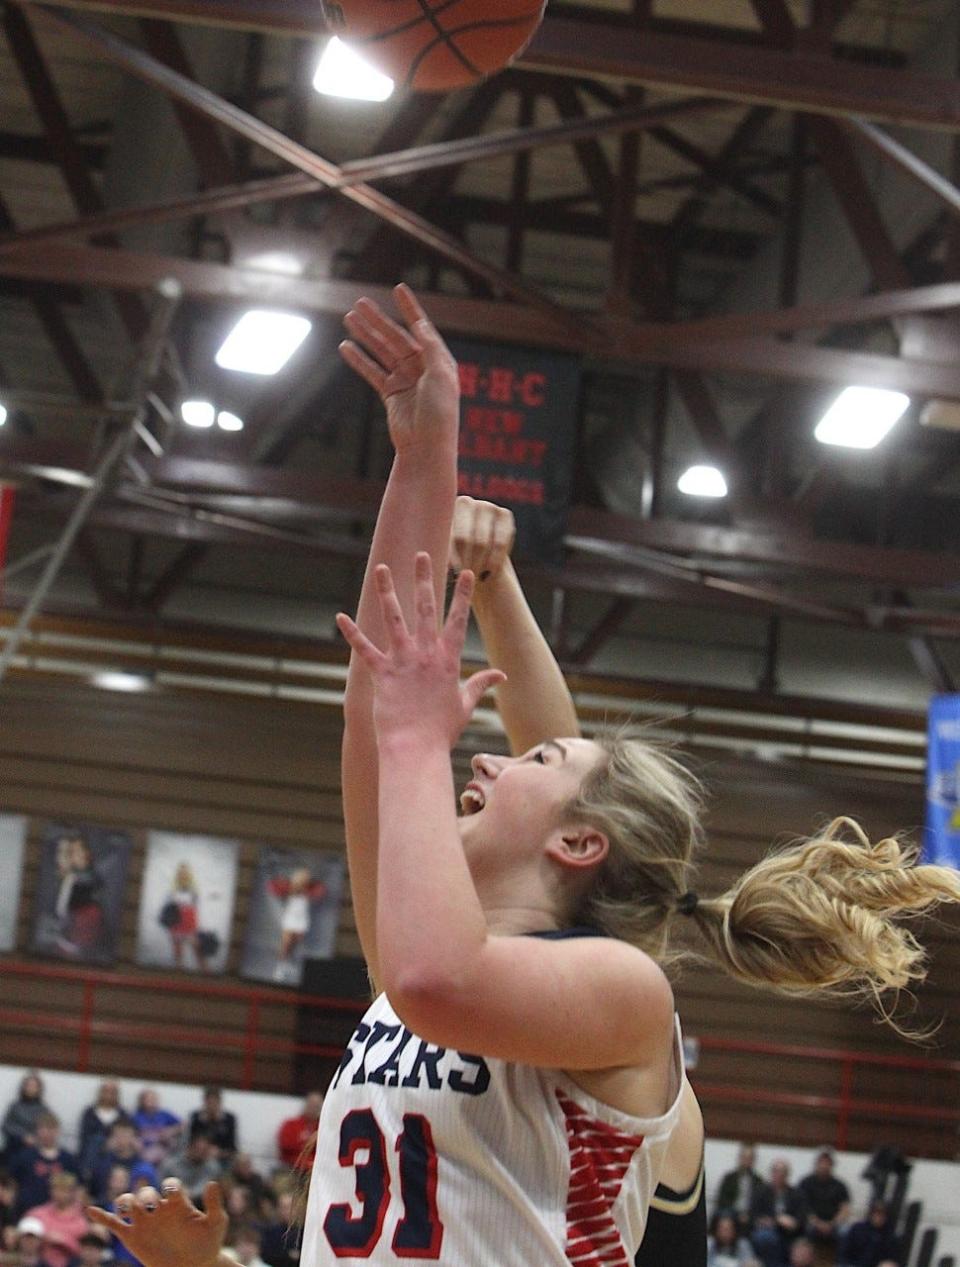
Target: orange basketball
point(434, 45)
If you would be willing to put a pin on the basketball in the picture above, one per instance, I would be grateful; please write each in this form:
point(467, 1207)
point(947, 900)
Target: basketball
point(435, 45)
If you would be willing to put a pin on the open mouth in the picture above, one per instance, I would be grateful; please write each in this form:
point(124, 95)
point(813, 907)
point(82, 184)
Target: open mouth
point(472, 799)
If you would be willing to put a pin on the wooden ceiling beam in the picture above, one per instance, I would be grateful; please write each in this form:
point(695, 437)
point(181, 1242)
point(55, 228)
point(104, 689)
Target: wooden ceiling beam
point(210, 155)
point(216, 109)
point(615, 537)
point(610, 339)
point(786, 79)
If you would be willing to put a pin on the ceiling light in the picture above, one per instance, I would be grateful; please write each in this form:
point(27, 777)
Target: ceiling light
point(702, 481)
point(262, 342)
point(112, 681)
point(861, 416)
point(227, 421)
point(197, 413)
point(343, 73)
point(3, 415)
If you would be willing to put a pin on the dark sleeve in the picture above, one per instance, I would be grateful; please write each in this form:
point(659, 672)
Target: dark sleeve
point(230, 1131)
point(727, 1192)
point(761, 1207)
point(797, 1205)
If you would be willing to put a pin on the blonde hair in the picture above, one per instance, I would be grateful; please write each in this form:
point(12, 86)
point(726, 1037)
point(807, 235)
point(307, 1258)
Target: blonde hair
point(816, 917)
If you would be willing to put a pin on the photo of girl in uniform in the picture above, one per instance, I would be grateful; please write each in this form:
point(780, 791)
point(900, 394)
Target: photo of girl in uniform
point(13, 832)
point(80, 892)
point(294, 908)
point(186, 902)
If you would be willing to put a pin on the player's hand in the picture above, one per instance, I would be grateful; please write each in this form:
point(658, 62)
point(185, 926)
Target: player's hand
point(167, 1230)
point(481, 537)
point(409, 367)
point(416, 679)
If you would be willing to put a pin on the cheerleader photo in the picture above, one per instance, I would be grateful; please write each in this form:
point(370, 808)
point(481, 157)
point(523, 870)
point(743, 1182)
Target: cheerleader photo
point(186, 902)
point(294, 907)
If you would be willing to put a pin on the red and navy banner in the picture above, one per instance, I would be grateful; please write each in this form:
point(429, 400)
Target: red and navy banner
point(518, 415)
point(942, 838)
point(7, 495)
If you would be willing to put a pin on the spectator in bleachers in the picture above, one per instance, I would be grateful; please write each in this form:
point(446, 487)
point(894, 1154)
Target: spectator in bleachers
point(194, 1166)
point(35, 1164)
point(27, 1248)
point(20, 1121)
point(296, 1132)
point(828, 1201)
point(240, 1211)
point(245, 1246)
point(121, 1149)
point(802, 1253)
point(93, 1249)
point(221, 1125)
point(279, 1246)
point(779, 1215)
point(63, 1220)
point(119, 1181)
point(8, 1208)
point(96, 1122)
point(243, 1175)
point(158, 1130)
point(738, 1188)
point(725, 1246)
point(871, 1242)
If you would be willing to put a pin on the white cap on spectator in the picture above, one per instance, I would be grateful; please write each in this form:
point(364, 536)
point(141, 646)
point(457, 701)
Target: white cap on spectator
point(31, 1226)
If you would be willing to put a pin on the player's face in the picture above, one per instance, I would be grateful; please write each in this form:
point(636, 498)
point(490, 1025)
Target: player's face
point(513, 804)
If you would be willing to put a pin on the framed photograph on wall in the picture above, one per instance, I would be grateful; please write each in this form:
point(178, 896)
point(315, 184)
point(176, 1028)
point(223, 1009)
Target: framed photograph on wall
point(79, 902)
point(186, 902)
point(13, 835)
point(294, 909)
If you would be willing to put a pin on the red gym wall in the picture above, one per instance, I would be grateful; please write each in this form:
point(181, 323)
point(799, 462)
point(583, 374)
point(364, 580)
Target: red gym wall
point(265, 771)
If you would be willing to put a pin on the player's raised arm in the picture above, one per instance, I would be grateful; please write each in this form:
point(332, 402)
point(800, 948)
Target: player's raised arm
point(411, 369)
point(534, 702)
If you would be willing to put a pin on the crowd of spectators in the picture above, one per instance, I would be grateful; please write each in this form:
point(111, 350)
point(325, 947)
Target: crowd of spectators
point(45, 1189)
point(772, 1223)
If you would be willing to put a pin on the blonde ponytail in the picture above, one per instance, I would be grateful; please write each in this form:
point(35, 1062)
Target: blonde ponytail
point(819, 916)
point(823, 916)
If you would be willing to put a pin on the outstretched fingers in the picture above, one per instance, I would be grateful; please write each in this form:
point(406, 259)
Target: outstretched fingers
point(458, 613)
point(476, 686)
point(371, 656)
point(425, 628)
point(105, 1219)
point(368, 369)
point(383, 336)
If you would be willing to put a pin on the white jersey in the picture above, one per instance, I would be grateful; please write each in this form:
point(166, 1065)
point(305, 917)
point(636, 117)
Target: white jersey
point(464, 1161)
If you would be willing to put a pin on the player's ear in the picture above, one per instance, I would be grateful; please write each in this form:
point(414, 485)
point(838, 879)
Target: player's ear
point(578, 846)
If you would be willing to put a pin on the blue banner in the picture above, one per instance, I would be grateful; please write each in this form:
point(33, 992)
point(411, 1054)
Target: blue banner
point(942, 839)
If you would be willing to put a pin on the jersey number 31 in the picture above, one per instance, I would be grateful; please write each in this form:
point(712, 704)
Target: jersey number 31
point(419, 1233)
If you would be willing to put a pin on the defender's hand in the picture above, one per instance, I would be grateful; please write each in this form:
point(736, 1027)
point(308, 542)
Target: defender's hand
point(481, 537)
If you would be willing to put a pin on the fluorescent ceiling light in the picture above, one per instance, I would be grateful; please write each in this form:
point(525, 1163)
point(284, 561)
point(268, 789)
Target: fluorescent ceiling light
point(197, 413)
point(343, 73)
point(227, 421)
point(121, 681)
point(3, 415)
point(262, 341)
point(702, 481)
point(860, 417)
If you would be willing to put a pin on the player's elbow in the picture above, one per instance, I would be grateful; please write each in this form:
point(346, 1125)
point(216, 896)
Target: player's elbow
point(425, 999)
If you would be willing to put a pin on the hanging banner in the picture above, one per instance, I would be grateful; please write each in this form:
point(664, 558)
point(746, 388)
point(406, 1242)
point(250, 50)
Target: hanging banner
point(7, 496)
point(942, 837)
point(294, 910)
point(79, 901)
point(186, 902)
point(13, 834)
point(518, 416)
